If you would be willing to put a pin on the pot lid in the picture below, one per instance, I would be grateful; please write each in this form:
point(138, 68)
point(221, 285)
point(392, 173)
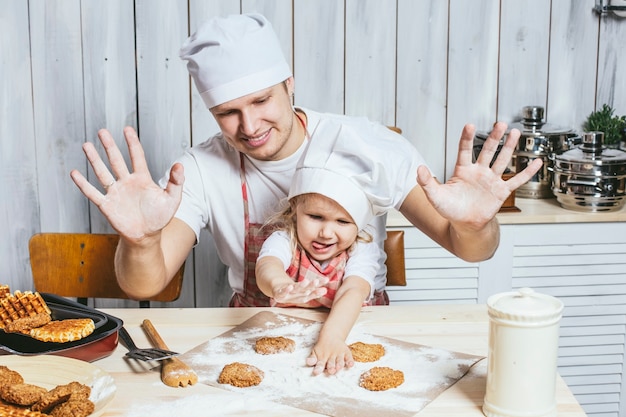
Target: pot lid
point(525, 306)
point(533, 125)
point(592, 151)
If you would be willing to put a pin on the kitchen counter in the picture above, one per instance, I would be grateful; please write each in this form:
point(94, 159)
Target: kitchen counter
point(454, 327)
point(575, 256)
point(535, 211)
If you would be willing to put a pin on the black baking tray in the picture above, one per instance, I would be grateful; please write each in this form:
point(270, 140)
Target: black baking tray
point(99, 344)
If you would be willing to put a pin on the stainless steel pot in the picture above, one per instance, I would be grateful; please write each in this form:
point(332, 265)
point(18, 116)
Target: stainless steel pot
point(590, 177)
point(537, 140)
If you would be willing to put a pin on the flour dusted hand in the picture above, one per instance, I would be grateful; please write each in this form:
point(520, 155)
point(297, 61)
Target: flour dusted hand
point(300, 292)
point(133, 203)
point(330, 355)
point(476, 191)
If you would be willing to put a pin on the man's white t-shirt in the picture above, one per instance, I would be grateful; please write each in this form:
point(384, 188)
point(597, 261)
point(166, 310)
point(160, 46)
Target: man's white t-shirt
point(212, 195)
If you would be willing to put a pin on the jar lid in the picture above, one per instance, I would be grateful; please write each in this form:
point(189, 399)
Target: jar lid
point(525, 306)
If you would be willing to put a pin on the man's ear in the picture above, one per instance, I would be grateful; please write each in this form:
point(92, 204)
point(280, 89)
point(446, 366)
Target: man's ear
point(290, 84)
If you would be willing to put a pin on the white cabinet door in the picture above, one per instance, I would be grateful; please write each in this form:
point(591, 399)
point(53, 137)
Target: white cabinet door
point(582, 264)
point(434, 276)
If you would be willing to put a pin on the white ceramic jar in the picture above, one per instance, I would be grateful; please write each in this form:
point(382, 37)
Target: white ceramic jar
point(523, 349)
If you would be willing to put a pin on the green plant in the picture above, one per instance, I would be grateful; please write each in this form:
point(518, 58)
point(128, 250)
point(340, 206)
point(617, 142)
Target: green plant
point(614, 127)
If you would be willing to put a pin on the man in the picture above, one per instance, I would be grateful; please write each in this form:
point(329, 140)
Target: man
point(232, 182)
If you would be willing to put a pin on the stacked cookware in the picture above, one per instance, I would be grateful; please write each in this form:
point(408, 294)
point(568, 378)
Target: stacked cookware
point(590, 177)
point(580, 171)
point(538, 140)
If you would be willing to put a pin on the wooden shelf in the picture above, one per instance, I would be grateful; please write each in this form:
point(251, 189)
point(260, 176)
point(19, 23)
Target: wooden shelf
point(535, 211)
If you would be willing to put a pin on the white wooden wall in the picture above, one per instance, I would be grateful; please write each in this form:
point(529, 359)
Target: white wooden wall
point(71, 67)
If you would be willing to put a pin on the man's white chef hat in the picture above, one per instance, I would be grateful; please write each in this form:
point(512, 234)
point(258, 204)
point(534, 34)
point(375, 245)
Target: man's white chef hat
point(230, 57)
point(338, 163)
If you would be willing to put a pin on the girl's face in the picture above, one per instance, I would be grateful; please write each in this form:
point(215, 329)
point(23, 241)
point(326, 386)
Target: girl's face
point(324, 228)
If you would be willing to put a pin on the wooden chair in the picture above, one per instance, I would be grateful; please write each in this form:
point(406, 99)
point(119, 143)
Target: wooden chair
point(394, 248)
point(81, 265)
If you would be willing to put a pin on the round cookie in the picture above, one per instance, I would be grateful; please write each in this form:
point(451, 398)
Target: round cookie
point(22, 394)
point(25, 324)
point(62, 393)
point(9, 376)
point(366, 352)
point(272, 345)
point(240, 375)
point(74, 408)
point(381, 379)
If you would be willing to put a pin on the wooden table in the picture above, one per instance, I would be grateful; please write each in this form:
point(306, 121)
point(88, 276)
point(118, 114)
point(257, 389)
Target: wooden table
point(462, 328)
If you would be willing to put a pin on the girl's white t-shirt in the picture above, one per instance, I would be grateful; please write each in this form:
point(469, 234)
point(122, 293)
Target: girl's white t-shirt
point(362, 258)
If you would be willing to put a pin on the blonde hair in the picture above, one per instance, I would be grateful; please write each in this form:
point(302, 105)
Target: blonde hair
point(285, 219)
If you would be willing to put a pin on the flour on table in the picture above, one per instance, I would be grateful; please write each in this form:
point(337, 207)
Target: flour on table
point(226, 404)
point(428, 371)
point(102, 388)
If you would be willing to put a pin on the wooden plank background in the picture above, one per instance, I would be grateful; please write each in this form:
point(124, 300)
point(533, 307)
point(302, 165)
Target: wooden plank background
point(71, 67)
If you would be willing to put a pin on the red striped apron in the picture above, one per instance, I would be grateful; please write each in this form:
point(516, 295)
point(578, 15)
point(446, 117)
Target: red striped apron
point(255, 235)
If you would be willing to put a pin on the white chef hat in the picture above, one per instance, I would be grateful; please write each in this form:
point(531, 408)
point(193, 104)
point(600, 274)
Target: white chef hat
point(229, 57)
point(341, 164)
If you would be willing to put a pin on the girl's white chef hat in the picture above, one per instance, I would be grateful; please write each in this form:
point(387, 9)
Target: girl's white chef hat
point(348, 165)
point(229, 57)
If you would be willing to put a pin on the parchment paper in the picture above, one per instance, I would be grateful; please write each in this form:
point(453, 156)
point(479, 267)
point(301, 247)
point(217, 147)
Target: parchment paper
point(427, 371)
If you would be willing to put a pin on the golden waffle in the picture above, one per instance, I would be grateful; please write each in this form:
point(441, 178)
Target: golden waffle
point(62, 331)
point(19, 305)
point(13, 411)
point(7, 311)
point(4, 290)
point(32, 303)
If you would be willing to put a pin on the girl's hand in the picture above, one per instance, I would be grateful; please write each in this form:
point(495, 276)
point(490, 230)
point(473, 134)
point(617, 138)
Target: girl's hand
point(330, 355)
point(300, 292)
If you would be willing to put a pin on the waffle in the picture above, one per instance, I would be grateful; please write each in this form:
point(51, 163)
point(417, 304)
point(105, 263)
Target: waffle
point(62, 331)
point(4, 290)
point(15, 411)
point(20, 305)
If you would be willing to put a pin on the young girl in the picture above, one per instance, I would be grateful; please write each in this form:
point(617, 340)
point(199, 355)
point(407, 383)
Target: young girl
point(320, 254)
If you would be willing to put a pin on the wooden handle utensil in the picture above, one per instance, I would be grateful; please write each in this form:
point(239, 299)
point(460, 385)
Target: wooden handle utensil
point(174, 372)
